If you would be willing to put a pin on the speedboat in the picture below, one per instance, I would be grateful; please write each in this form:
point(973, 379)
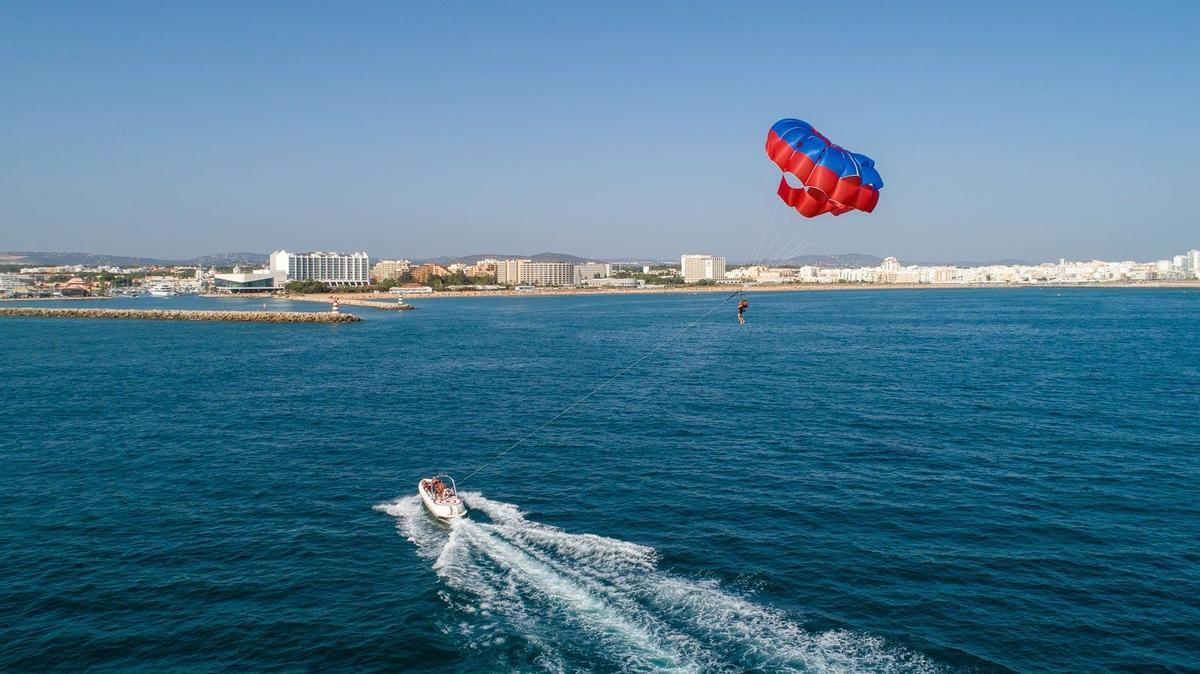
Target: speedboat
point(441, 498)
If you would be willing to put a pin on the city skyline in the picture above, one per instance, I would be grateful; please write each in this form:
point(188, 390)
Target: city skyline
point(163, 129)
point(846, 259)
point(357, 268)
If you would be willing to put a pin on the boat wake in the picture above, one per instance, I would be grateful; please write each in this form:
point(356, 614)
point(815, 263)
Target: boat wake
point(536, 596)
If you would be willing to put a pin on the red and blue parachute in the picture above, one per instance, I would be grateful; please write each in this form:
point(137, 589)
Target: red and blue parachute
point(834, 179)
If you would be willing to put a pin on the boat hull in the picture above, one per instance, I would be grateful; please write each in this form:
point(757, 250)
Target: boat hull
point(444, 509)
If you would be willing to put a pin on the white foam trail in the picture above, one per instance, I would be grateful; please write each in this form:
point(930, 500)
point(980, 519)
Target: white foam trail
point(415, 524)
point(582, 598)
point(561, 595)
point(498, 512)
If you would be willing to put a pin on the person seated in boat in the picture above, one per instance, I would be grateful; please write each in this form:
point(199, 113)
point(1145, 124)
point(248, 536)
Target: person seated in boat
point(742, 307)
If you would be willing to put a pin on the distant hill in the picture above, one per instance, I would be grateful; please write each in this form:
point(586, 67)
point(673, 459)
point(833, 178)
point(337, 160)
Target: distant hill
point(844, 260)
point(230, 259)
point(969, 263)
point(54, 259)
point(642, 261)
point(849, 260)
point(539, 257)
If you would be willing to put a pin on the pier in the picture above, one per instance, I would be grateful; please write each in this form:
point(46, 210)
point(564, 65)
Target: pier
point(354, 302)
point(185, 315)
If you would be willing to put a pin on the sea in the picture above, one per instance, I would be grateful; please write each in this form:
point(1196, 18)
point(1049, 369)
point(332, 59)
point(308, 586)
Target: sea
point(974, 480)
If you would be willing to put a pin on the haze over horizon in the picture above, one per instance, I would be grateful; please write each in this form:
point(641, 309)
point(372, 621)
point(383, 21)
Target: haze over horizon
point(171, 131)
point(849, 258)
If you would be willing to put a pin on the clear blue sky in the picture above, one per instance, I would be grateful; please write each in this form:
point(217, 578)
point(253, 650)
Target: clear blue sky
point(1031, 130)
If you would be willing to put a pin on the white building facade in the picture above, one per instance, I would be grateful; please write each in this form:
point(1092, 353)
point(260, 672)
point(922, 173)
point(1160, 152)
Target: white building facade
point(591, 270)
point(260, 280)
point(11, 283)
point(390, 269)
point(508, 272)
point(696, 268)
point(331, 268)
point(548, 273)
point(517, 272)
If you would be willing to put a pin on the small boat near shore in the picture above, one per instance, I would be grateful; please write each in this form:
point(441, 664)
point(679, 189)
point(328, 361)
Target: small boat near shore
point(441, 498)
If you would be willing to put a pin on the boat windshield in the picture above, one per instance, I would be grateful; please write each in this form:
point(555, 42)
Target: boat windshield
point(442, 487)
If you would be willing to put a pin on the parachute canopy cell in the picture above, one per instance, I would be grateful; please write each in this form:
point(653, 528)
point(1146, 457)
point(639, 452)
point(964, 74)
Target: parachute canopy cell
point(833, 179)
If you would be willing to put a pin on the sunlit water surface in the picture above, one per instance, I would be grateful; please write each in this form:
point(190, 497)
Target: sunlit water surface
point(899, 481)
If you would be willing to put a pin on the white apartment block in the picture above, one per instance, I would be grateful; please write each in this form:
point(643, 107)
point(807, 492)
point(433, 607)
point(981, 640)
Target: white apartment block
point(891, 271)
point(700, 267)
point(331, 268)
point(508, 272)
point(390, 269)
point(591, 270)
point(10, 283)
point(548, 273)
point(526, 272)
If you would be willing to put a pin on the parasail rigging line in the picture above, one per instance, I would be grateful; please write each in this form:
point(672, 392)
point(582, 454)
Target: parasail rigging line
point(756, 223)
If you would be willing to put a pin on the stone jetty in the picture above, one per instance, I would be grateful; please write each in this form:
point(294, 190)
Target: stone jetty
point(353, 302)
point(386, 306)
point(185, 315)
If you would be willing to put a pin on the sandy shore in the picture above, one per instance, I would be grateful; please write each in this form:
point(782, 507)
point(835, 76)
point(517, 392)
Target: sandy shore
point(388, 300)
point(366, 298)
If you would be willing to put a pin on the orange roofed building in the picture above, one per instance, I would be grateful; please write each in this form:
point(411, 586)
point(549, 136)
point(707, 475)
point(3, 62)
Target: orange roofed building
point(76, 287)
point(423, 273)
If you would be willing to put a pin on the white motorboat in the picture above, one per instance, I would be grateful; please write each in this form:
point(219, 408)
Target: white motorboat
point(441, 497)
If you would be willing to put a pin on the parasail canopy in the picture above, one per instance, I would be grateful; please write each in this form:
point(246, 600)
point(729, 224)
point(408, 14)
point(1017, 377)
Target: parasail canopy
point(834, 180)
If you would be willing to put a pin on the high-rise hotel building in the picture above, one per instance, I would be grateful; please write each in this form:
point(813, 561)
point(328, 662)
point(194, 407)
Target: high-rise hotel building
point(590, 270)
point(508, 272)
point(548, 273)
point(332, 268)
point(513, 272)
point(390, 269)
point(700, 267)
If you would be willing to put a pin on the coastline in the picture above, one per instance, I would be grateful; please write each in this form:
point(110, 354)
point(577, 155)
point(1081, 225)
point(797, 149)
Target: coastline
point(388, 300)
point(786, 287)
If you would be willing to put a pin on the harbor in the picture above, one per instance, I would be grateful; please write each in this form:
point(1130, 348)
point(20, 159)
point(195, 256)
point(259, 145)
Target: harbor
point(184, 315)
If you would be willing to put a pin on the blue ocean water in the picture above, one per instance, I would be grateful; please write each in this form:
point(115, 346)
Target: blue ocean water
point(877, 481)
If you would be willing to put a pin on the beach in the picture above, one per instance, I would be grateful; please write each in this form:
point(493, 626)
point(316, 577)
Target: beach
point(390, 301)
point(728, 289)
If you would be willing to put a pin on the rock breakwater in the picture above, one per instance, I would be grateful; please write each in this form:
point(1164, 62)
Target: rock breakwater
point(185, 315)
point(354, 302)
